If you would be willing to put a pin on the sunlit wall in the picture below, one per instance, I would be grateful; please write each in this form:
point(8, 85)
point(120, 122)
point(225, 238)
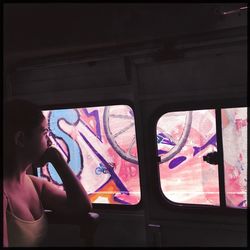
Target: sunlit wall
point(99, 145)
point(184, 138)
point(234, 131)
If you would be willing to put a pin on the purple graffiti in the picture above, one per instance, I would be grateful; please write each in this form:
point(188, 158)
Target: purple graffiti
point(116, 179)
point(95, 114)
point(121, 201)
point(161, 138)
point(161, 152)
point(212, 141)
point(176, 161)
point(242, 204)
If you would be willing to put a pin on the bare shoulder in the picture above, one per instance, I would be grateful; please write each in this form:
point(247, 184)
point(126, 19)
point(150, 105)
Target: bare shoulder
point(38, 182)
point(52, 197)
point(44, 186)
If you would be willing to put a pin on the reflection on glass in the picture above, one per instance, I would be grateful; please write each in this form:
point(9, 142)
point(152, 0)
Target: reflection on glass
point(99, 145)
point(234, 134)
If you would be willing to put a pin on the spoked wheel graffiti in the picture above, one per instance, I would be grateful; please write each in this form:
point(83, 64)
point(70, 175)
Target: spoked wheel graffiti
point(172, 132)
point(120, 131)
point(119, 127)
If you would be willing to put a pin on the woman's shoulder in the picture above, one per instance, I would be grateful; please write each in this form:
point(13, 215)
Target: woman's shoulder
point(38, 182)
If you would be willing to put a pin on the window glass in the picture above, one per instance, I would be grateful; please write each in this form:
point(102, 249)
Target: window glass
point(234, 135)
point(99, 145)
point(183, 139)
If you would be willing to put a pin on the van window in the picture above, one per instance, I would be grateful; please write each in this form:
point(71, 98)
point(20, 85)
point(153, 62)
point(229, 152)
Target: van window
point(184, 140)
point(99, 144)
point(234, 136)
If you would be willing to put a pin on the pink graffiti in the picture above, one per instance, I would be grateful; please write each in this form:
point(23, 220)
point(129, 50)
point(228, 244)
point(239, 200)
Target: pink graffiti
point(193, 181)
point(240, 123)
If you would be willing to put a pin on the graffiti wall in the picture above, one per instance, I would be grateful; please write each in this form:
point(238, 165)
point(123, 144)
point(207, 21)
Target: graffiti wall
point(234, 131)
point(99, 145)
point(184, 138)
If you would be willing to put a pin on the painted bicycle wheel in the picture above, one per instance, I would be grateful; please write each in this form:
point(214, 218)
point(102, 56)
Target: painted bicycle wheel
point(119, 127)
point(172, 132)
point(120, 131)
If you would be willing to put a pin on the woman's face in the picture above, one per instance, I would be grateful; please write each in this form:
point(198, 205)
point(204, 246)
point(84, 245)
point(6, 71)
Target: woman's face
point(38, 141)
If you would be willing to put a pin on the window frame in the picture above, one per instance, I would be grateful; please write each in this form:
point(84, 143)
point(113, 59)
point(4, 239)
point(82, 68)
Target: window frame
point(101, 206)
point(203, 208)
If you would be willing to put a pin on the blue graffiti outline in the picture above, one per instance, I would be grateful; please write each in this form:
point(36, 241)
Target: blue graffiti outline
point(50, 167)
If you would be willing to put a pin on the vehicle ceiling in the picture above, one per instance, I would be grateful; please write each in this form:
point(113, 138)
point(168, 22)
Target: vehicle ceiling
point(45, 29)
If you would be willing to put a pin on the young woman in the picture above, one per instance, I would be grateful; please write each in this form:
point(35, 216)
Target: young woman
point(25, 196)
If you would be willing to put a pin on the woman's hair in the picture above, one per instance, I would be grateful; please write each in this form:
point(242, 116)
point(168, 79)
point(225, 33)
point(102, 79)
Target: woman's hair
point(19, 115)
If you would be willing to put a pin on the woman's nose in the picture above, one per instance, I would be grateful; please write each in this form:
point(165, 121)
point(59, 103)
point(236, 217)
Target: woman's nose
point(49, 142)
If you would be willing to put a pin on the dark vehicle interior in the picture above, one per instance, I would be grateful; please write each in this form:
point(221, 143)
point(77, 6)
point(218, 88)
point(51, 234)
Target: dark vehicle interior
point(155, 58)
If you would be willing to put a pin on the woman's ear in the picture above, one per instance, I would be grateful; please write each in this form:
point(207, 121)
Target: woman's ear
point(19, 139)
